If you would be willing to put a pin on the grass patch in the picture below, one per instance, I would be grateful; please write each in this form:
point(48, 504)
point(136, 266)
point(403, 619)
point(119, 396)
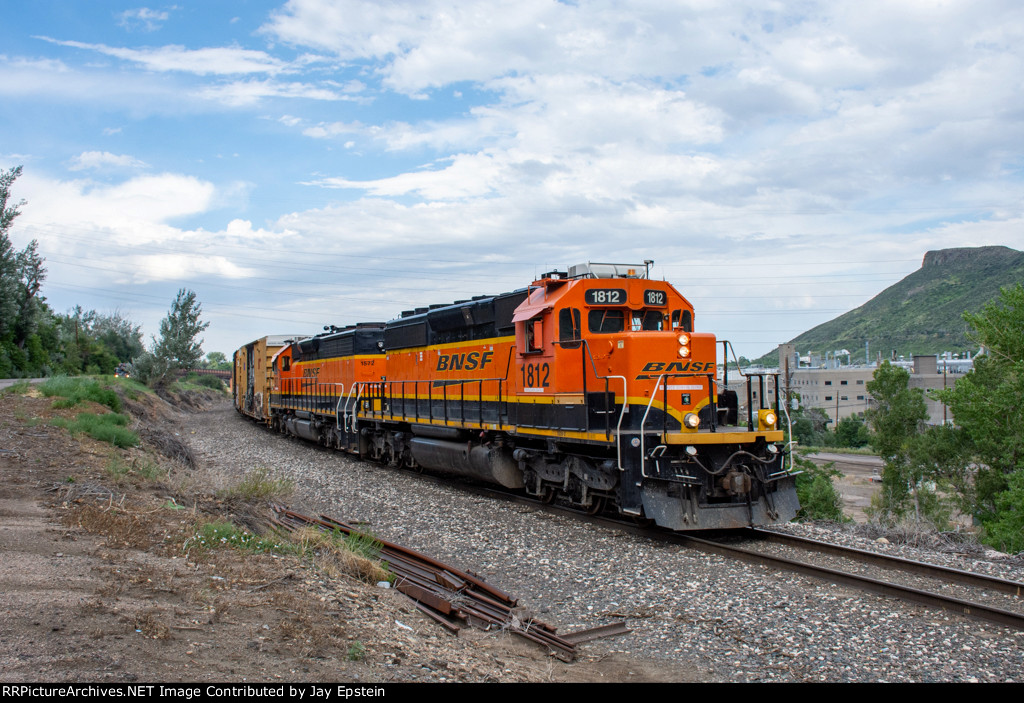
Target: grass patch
point(149, 469)
point(212, 535)
point(129, 386)
point(116, 468)
point(258, 485)
point(110, 427)
point(72, 391)
point(20, 388)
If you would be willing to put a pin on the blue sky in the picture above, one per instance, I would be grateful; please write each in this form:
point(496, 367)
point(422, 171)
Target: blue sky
point(326, 161)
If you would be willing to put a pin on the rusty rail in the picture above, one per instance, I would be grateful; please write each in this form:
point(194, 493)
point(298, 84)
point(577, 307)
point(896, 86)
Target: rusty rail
point(448, 595)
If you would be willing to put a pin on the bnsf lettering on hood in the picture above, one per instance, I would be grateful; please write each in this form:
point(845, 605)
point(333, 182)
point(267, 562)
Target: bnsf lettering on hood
point(465, 362)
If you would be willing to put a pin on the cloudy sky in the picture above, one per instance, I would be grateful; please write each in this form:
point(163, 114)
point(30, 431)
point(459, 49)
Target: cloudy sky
point(332, 161)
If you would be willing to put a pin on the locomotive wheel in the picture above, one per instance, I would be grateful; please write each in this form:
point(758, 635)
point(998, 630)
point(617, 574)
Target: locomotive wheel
point(596, 506)
point(547, 495)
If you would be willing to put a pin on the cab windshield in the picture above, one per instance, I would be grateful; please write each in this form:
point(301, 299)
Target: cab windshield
point(608, 320)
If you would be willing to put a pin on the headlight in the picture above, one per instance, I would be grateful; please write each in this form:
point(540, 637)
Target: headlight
point(684, 339)
point(767, 418)
point(691, 420)
point(684, 352)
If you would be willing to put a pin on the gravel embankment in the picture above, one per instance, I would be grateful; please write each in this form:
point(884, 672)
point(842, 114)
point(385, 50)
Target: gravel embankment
point(736, 621)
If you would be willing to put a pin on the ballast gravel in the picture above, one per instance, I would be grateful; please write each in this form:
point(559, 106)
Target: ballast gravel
point(736, 621)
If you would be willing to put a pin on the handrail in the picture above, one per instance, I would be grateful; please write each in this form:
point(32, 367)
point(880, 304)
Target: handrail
point(625, 399)
point(643, 424)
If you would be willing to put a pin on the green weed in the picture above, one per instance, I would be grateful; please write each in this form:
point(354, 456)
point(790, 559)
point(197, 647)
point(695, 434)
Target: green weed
point(148, 469)
point(19, 388)
point(109, 427)
point(212, 535)
point(356, 651)
point(257, 485)
point(117, 468)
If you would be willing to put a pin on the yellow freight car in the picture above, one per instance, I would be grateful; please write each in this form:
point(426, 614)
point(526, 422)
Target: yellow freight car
point(253, 374)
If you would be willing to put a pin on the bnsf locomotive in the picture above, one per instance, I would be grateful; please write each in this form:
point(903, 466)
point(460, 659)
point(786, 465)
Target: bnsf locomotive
point(589, 387)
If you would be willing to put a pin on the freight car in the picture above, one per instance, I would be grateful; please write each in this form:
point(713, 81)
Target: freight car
point(590, 387)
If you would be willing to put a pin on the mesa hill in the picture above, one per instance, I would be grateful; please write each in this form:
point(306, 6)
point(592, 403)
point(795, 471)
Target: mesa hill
point(923, 313)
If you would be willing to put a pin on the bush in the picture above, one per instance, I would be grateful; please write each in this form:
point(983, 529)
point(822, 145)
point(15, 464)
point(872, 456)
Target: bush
point(819, 499)
point(212, 382)
point(1005, 528)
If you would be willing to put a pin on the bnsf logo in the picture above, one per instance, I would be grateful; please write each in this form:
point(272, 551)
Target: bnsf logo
point(678, 367)
point(470, 361)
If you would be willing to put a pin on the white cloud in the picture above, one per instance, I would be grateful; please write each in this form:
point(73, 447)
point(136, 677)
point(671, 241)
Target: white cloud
point(207, 61)
point(143, 18)
point(179, 267)
point(102, 160)
point(250, 92)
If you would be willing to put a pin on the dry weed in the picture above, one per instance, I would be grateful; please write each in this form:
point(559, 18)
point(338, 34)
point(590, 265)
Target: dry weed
point(120, 528)
point(150, 624)
point(332, 556)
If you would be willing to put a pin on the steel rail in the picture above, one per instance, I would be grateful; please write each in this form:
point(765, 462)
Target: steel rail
point(440, 590)
point(967, 578)
point(970, 609)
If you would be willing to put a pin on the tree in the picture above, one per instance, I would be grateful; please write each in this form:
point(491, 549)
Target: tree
point(852, 432)
point(986, 404)
point(9, 278)
point(178, 332)
point(218, 361)
point(897, 419)
point(22, 309)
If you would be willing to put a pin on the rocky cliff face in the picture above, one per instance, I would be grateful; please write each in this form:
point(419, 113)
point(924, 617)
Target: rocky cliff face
point(963, 255)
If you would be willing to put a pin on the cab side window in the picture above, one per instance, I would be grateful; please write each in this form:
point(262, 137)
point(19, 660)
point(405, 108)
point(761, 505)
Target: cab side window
point(534, 335)
point(682, 319)
point(569, 328)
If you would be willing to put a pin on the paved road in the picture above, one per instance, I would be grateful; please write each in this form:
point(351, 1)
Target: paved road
point(860, 459)
point(5, 382)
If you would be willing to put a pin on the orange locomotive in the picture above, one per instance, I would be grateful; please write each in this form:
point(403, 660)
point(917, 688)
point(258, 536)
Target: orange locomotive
point(589, 387)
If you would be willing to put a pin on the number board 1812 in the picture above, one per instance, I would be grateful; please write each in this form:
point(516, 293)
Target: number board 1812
point(655, 298)
point(606, 296)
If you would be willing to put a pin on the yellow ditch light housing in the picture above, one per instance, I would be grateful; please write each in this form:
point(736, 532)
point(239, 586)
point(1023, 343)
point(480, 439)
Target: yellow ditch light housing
point(767, 419)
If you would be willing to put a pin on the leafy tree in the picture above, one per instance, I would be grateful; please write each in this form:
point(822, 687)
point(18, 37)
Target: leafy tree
point(897, 418)
point(22, 309)
point(987, 405)
point(217, 360)
point(92, 342)
point(119, 335)
point(9, 279)
point(178, 345)
point(852, 432)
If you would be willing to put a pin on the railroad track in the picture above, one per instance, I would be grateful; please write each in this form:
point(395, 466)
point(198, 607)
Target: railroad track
point(887, 576)
point(908, 580)
point(977, 596)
